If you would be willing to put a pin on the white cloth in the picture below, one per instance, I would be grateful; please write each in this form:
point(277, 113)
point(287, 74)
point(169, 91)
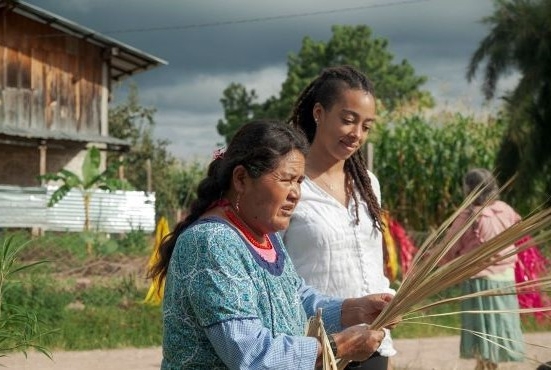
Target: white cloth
point(332, 253)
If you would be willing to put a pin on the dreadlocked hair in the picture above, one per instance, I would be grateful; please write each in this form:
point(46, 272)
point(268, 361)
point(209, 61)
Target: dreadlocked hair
point(356, 168)
point(326, 89)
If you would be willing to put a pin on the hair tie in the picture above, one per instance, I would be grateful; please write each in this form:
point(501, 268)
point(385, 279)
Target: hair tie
point(218, 153)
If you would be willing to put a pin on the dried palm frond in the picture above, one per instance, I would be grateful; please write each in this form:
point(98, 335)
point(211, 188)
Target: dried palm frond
point(539, 284)
point(315, 328)
point(488, 337)
point(429, 276)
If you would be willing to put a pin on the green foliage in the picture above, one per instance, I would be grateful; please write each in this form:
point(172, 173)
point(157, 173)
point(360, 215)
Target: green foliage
point(134, 242)
point(111, 327)
point(395, 83)
point(20, 328)
point(130, 120)
point(105, 316)
point(188, 179)
point(179, 189)
point(421, 163)
point(107, 311)
point(239, 105)
point(98, 242)
point(103, 312)
point(92, 178)
point(518, 41)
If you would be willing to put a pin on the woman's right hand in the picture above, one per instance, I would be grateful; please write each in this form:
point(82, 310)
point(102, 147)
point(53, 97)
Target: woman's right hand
point(358, 342)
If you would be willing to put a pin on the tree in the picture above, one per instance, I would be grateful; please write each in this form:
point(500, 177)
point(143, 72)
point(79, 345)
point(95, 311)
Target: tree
point(238, 105)
point(519, 41)
point(395, 84)
point(148, 163)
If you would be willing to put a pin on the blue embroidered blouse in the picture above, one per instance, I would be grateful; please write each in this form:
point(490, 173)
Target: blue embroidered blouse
point(224, 307)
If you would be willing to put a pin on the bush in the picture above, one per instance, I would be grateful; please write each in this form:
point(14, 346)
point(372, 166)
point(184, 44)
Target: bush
point(20, 327)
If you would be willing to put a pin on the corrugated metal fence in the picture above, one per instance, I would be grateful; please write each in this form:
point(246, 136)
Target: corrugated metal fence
point(111, 212)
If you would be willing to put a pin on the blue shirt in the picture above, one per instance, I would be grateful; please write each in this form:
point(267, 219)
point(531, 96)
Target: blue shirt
point(225, 307)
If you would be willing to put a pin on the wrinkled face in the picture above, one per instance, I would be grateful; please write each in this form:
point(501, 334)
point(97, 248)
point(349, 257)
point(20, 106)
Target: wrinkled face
point(343, 128)
point(267, 202)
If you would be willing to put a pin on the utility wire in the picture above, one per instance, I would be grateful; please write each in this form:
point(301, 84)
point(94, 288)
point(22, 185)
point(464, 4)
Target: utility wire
point(264, 19)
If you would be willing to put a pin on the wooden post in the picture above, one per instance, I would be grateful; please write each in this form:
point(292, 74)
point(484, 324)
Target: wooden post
point(121, 167)
point(148, 171)
point(368, 152)
point(370, 156)
point(42, 150)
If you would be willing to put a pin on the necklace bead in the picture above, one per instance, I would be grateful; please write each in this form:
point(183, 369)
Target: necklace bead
point(230, 214)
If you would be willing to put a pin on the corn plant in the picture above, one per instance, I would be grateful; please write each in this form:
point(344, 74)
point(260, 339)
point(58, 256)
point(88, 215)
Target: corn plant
point(420, 163)
point(19, 328)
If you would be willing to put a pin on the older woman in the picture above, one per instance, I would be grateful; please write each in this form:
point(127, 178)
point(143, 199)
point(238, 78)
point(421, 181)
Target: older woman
point(233, 298)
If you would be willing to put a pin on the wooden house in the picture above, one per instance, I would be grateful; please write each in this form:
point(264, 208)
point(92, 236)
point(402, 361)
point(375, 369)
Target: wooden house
point(55, 84)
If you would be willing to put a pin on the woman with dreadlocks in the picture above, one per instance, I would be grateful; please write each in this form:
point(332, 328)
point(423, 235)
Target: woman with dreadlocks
point(334, 237)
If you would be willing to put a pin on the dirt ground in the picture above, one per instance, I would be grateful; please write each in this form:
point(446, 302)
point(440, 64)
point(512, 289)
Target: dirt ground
point(413, 354)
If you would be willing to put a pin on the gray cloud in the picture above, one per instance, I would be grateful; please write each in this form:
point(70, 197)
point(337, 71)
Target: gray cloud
point(206, 51)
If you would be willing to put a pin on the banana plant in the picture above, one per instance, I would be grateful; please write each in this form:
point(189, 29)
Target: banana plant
point(92, 178)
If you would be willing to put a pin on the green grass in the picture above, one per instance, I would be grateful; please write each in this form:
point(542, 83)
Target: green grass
point(95, 302)
point(110, 315)
point(86, 301)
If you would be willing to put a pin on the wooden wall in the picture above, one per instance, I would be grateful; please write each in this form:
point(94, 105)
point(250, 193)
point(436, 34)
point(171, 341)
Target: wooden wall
point(48, 79)
point(20, 165)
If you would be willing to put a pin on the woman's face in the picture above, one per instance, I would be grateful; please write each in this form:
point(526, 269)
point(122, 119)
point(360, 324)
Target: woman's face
point(266, 203)
point(343, 128)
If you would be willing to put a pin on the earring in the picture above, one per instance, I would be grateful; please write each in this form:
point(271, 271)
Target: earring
point(237, 202)
point(316, 120)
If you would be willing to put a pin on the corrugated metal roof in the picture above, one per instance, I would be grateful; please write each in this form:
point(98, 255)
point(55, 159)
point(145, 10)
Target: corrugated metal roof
point(62, 136)
point(125, 60)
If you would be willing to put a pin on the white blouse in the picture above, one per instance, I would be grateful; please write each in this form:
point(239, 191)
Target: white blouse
point(333, 253)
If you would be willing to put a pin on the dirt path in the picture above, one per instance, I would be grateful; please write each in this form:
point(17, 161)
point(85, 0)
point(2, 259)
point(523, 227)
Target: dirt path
point(414, 354)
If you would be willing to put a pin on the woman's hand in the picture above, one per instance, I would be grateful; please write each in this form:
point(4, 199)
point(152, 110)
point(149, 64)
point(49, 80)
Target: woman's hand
point(358, 342)
point(363, 310)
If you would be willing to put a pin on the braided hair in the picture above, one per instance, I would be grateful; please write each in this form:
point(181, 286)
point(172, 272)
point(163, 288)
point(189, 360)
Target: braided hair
point(258, 146)
point(326, 89)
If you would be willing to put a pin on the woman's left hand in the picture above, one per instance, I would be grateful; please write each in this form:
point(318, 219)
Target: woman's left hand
point(363, 310)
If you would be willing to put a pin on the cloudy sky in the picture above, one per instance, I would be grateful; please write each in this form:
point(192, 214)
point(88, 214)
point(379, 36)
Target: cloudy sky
point(210, 43)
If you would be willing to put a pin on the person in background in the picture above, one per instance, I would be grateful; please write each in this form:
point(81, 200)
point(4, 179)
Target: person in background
point(232, 298)
point(496, 337)
point(334, 237)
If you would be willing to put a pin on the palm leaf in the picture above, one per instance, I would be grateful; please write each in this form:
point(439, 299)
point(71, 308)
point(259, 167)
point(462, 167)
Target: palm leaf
point(91, 165)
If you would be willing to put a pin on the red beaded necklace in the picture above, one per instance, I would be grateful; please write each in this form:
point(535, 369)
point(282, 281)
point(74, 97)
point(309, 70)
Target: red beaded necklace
point(230, 214)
